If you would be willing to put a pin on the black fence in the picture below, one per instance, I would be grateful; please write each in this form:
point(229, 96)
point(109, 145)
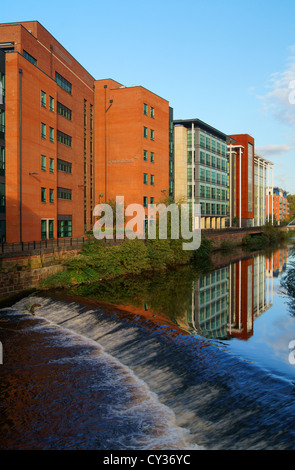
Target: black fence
point(43, 245)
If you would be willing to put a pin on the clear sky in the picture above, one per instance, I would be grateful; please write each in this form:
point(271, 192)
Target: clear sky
point(229, 63)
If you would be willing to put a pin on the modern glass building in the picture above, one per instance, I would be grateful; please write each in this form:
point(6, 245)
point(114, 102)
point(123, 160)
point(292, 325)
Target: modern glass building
point(261, 176)
point(201, 170)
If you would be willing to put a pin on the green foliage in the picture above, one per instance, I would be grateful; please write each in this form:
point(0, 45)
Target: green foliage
point(98, 261)
point(201, 258)
point(270, 236)
point(132, 255)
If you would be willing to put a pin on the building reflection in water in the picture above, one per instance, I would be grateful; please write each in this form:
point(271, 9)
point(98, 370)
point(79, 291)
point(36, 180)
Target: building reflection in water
point(226, 302)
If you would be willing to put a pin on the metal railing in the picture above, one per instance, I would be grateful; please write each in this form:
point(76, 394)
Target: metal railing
point(50, 244)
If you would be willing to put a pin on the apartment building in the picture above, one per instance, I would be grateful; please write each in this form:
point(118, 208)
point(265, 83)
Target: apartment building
point(133, 156)
point(48, 137)
point(277, 205)
point(201, 170)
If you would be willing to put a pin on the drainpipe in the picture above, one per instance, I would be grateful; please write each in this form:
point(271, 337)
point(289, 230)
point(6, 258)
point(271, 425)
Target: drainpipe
point(20, 155)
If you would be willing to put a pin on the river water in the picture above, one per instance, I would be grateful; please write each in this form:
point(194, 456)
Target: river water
point(169, 361)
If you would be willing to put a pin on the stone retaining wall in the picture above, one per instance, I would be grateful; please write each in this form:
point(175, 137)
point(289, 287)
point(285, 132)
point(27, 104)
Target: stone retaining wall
point(22, 273)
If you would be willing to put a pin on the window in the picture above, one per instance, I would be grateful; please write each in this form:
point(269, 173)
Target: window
point(145, 201)
point(43, 194)
point(202, 156)
point(64, 226)
point(51, 165)
point(152, 180)
point(63, 193)
point(43, 229)
point(145, 109)
point(43, 162)
point(152, 201)
point(2, 88)
point(43, 99)
point(2, 161)
point(51, 134)
point(50, 228)
point(2, 124)
point(29, 57)
point(64, 166)
point(145, 178)
point(43, 130)
point(145, 155)
point(51, 103)
point(64, 138)
point(63, 83)
point(145, 132)
point(152, 157)
point(152, 134)
point(202, 140)
point(202, 190)
point(2, 198)
point(62, 110)
point(51, 196)
point(152, 112)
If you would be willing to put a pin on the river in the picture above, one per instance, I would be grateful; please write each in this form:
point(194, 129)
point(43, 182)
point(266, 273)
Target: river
point(169, 361)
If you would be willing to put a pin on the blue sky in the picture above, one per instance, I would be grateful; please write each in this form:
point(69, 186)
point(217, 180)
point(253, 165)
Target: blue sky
point(229, 63)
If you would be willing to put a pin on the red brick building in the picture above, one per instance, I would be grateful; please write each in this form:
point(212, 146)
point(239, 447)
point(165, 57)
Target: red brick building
point(131, 144)
point(243, 178)
point(57, 152)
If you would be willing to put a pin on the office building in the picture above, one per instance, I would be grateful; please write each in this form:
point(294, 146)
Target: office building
point(201, 170)
point(277, 205)
point(131, 144)
point(48, 115)
point(68, 141)
point(241, 171)
point(262, 168)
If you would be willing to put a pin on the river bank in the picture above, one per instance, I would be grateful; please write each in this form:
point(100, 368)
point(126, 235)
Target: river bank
point(98, 262)
point(92, 376)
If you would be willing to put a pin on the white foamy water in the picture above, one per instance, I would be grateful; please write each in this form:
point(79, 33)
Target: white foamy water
point(176, 390)
point(133, 415)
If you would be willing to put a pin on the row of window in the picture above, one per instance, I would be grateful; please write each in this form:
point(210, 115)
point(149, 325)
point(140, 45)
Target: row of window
point(62, 165)
point(60, 80)
point(211, 192)
point(146, 110)
point(145, 179)
point(62, 193)
point(64, 228)
point(62, 110)
point(212, 160)
point(145, 133)
point(211, 144)
point(62, 138)
point(145, 201)
point(216, 209)
point(210, 176)
point(145, 156)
